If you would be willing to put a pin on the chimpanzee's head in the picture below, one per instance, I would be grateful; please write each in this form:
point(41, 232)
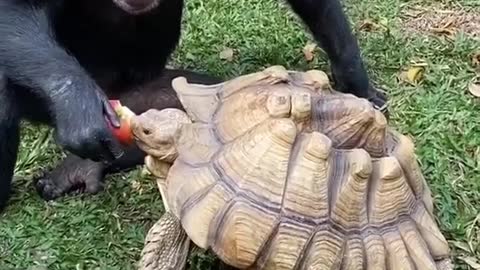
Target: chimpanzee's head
point(137, 6)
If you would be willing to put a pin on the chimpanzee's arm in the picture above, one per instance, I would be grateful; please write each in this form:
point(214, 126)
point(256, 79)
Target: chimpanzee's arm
point(328, 23)
point(30, 56)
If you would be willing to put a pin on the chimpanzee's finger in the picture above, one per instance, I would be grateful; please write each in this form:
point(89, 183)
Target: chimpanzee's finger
point(112, 148)
point(111, 115)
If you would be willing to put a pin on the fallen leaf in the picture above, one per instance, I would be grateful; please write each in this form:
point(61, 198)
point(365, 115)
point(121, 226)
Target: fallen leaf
point(461, 245)
point(413, 74)
point(145, 172)
point(371, 26)
point(227, 54)
point(448, 23)
point(446, 29)
point(476, 59)
point(472, 262)
point(309, 51)
point(368, 26)
point(474, 87)
point(414, 12)
point(443, 31)
point(137, 186)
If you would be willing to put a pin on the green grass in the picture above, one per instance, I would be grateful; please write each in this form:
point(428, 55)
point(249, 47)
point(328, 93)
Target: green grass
point(106, 231)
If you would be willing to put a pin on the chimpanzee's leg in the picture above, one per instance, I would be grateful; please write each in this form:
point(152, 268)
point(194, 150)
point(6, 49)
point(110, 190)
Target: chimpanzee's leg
point(329, 25)
point(76, 174)
point(9, 139)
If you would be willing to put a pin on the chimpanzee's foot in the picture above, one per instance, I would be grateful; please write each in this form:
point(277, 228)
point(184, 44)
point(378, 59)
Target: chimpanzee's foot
point(355, 81)
point(72, 175)
point(378, 99)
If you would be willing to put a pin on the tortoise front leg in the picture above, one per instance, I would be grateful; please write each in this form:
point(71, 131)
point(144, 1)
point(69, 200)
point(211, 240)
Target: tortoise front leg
point(166, 245)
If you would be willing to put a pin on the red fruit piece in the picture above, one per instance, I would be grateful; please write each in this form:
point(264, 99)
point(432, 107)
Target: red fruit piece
point(123, 133)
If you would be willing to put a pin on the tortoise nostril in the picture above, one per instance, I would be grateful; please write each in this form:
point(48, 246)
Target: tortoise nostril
point(147, 131)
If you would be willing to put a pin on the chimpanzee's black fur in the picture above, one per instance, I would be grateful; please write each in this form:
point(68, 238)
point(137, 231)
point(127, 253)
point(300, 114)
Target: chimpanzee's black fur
point(61, 60)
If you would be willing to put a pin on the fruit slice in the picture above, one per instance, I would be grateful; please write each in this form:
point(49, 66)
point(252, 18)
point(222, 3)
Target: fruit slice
point(124, 132)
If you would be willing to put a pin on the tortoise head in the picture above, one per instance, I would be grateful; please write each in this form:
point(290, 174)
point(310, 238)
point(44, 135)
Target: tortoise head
point(155, 132)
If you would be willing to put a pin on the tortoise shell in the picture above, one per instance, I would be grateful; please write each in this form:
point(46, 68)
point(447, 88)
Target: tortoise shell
point(276, 170)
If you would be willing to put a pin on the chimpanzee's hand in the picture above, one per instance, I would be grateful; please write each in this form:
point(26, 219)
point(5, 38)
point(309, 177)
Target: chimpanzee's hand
point(82, 128)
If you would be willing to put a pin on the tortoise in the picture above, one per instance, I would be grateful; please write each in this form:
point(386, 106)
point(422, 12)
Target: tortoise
point(277, 170)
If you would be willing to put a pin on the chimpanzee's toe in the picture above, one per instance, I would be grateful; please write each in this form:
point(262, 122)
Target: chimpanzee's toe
point(378, 99)
point(73, 175)
point(47, 189)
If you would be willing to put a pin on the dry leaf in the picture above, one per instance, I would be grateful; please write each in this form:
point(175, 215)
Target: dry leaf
point(413, 74)
point(476, 59)
point(136, 186)
point(474, 87)
point(227, 54)
point(472, 262)
point(446, 31)
point(145, 172)
point(368, 25)
point(371, 26)
point(461, 245)
point(309, 51)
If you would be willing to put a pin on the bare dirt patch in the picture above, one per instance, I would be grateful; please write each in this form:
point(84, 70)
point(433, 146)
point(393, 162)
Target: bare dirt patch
point(441, 20)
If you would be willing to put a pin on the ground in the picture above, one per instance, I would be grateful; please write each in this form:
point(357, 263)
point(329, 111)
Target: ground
point(106, 231)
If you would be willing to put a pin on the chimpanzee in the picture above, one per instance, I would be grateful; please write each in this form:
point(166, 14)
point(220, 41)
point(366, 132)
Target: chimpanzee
point(61, 60)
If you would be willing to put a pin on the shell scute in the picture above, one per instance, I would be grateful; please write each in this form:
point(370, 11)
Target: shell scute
point(185, 181)
point(242, 230)
point(279, 103)
point(192, 94)
point(231, 121)
point(325, 251)
point(199, 212)
point(403, 149)
point(416, 246)
point(301, 106)
point(286, 247)
point(390, 197)
point(350, 123)
point(432, 235)
point(354, 258)
point(375, 253)
point(257, 162)
point(306, 192)
point(269, 76)
point(349, 181)
point(397, 253)
point(198, 144)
